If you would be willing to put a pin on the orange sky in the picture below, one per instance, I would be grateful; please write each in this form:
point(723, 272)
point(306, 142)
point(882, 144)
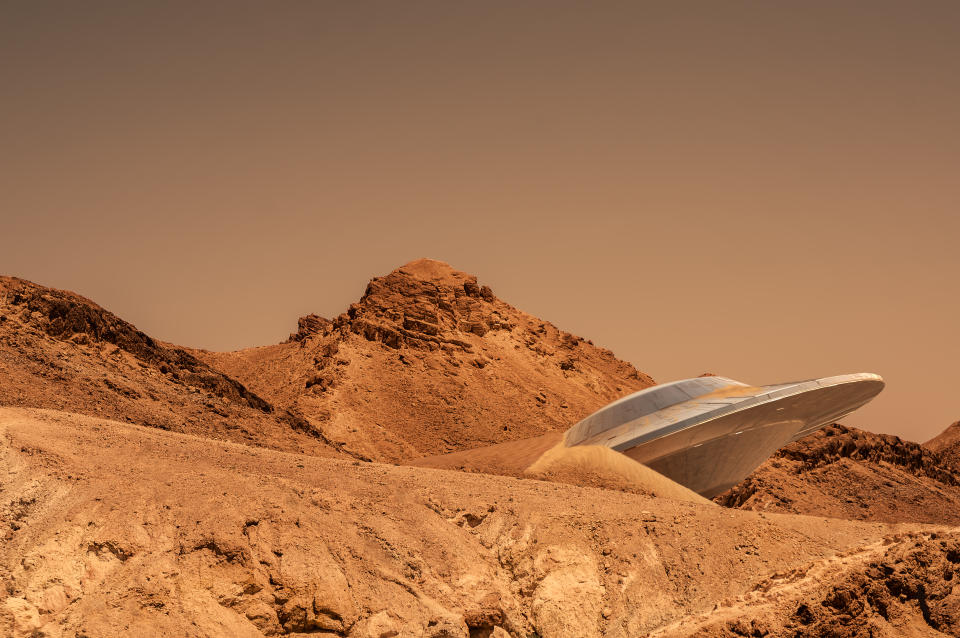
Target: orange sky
point(764, 190)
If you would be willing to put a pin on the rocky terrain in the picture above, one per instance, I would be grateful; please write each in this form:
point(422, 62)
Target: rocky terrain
point(843, 472)
point(904, 585)
point(395, 471)
point(429, 361)
point(113, 529)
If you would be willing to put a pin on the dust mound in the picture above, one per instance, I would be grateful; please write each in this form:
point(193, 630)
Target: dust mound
point(62, 351)
point(505, 459)
point(844, 472)
point(546, 458)
point(599, 466)
point(430, 361)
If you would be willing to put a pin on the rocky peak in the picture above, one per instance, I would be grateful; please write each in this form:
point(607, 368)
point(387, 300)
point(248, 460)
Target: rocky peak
point(426, 304)
point(433, 270)
point(444, 276)
point(310, 325)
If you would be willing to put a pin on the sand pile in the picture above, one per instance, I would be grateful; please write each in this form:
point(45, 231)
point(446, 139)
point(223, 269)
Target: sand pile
point(598, 466)
point(547, 458)
point(505, 459)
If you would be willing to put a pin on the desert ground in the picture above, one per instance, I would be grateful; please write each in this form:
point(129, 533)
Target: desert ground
point(395, 471)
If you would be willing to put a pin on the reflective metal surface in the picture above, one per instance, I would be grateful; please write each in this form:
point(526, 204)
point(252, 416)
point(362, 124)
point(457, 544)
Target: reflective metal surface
point(709, 433)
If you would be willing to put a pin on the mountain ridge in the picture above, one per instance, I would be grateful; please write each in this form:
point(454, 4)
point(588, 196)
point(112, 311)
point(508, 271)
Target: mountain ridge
point(63, 351)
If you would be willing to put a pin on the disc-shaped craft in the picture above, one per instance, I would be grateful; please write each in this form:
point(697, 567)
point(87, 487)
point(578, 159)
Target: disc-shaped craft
point(709, 433)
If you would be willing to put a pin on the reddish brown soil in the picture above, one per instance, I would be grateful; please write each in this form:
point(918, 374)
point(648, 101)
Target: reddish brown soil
point(847, 473)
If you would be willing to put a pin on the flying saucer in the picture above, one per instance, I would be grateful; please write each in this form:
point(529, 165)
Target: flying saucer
point(709, 433)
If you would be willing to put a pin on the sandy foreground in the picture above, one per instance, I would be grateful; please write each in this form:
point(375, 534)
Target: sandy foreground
point(114, 529)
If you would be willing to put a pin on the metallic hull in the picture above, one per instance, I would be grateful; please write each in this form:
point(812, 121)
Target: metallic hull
point(712, 440)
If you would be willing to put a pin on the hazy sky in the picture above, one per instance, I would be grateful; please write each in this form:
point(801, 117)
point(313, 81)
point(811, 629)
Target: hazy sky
point(765, 190)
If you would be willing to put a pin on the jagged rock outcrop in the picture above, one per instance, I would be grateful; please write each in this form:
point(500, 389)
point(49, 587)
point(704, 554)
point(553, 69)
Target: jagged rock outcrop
point(425, 305)
point(309, 326)
point(845, 472)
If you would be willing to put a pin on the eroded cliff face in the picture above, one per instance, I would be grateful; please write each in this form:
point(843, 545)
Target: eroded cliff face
point(844, 472)
point(431, 361)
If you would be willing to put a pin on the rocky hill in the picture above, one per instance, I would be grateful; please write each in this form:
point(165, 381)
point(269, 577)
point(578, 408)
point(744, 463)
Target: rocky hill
point(62, 351)
point(947, 443)
point(844, 472)
point(430, 361)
